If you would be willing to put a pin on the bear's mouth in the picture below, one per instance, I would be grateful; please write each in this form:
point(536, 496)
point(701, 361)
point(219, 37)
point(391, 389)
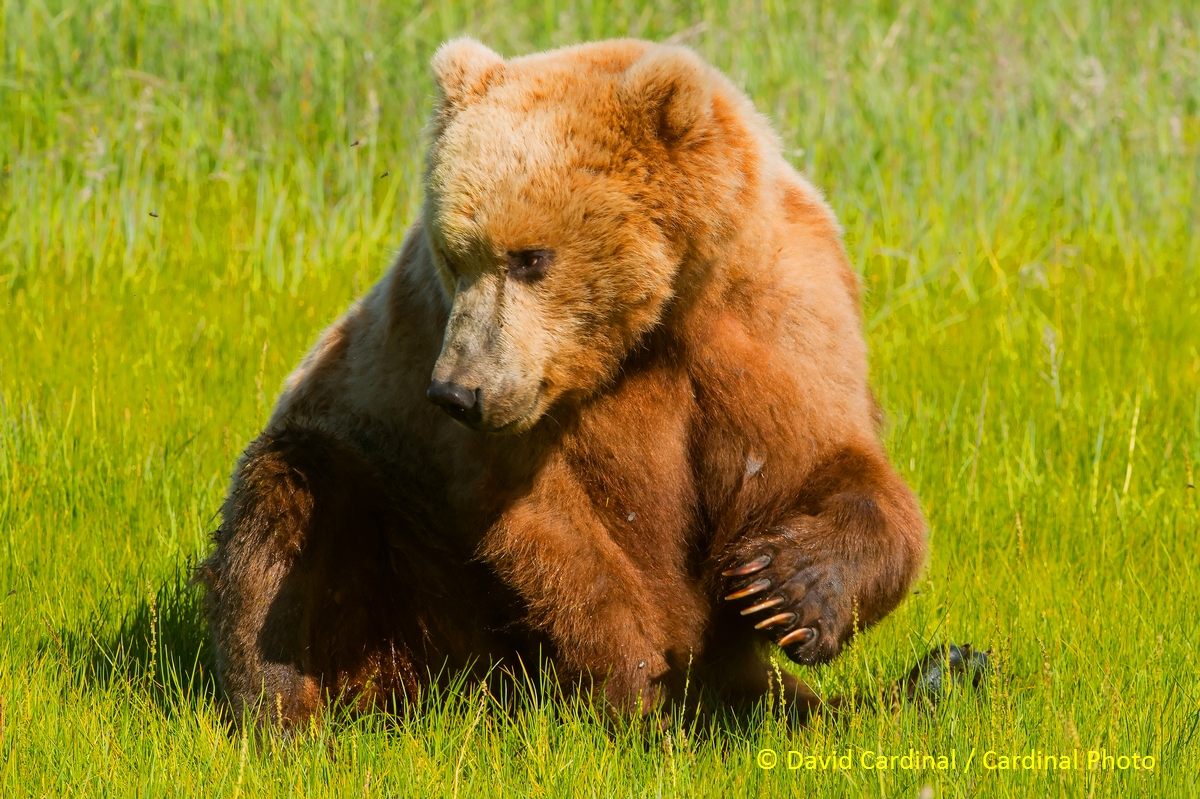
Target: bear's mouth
point(523, 422)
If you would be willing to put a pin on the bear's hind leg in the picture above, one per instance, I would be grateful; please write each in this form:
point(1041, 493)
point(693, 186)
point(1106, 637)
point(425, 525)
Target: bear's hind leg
point(300, 601)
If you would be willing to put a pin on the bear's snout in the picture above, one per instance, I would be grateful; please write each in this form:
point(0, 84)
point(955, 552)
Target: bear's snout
point(460, 402)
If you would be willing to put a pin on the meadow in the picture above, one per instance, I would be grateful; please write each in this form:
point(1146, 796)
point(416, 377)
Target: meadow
point(191, 191)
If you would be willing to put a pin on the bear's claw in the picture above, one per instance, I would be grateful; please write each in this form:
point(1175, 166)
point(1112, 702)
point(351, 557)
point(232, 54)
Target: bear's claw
point(764, 605)
point(787, 617)
point(756, 565)
point(801, 636)
point(753, 588)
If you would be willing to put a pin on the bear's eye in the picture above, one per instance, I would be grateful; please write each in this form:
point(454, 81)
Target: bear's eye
point(449, 264)
point(529, 266)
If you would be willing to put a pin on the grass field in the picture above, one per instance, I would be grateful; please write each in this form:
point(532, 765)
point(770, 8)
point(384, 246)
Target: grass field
point(182, 210)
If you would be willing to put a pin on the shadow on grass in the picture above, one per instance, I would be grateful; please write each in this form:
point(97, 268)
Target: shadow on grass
point(159, 648)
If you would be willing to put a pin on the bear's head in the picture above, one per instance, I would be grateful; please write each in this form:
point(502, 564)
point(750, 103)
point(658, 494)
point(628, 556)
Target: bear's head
point(553, 218)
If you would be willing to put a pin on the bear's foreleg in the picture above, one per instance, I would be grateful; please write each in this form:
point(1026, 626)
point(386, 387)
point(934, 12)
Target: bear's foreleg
point(610, 621)
point(839, 560)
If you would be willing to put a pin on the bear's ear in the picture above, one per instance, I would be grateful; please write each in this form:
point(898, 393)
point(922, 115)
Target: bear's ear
point(671, 87)
point(463, 69)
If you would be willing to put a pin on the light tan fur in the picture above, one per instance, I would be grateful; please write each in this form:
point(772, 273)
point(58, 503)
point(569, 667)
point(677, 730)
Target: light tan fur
point(684, 389)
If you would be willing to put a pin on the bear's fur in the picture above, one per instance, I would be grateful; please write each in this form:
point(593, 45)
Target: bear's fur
point(664, 451)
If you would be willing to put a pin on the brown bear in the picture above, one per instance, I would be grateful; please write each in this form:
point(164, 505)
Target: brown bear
point(609, 407)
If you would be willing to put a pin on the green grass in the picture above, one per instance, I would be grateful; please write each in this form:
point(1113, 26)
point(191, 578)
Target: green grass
point(1020, 189)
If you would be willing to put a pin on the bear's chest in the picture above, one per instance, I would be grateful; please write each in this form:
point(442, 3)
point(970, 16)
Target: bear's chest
point(632, 454)
point(620, 465)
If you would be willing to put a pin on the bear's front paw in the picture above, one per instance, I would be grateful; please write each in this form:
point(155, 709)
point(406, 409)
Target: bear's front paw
point(802, 603)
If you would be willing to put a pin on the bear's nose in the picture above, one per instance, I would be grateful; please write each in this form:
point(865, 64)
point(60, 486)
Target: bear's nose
point(459, 401)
